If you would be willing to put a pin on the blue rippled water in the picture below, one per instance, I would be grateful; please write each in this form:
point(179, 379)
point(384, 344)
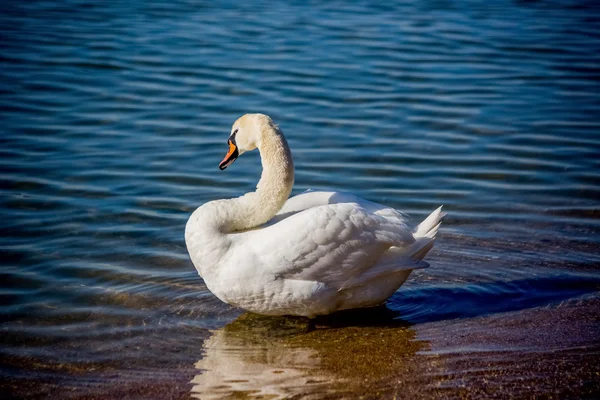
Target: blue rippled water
point(116, 114)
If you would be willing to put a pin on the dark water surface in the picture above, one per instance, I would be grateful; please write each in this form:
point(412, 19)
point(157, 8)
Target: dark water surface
point(115, 116)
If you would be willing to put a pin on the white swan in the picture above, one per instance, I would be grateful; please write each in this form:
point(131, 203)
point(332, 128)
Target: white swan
point(314, 254)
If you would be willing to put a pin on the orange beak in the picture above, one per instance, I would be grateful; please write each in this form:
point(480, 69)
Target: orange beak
point(230, 157)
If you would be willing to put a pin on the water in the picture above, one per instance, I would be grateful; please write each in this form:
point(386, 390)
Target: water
point(115, 116)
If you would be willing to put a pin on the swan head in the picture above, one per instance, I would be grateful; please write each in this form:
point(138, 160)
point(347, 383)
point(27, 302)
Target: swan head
point(246, 134)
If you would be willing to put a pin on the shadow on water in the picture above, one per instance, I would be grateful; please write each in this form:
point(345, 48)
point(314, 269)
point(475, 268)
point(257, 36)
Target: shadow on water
point(436, 303)
point(364, 351)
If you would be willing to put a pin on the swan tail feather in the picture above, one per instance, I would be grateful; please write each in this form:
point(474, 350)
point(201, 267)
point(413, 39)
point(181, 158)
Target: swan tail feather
point(430, 225)
point(425, 234)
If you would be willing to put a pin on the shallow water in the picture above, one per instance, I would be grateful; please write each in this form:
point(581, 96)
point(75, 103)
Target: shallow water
point(115, 116)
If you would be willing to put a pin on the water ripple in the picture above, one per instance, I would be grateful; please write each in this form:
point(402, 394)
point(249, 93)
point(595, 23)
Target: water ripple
point(115, 116)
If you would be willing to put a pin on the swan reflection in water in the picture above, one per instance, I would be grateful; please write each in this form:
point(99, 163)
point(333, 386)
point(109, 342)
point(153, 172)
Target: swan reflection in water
point(363, 351)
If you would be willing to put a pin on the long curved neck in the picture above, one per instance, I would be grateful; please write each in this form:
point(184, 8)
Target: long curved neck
point(272, 191)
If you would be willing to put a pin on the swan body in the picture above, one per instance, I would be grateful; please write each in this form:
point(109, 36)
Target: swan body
point(312, 254)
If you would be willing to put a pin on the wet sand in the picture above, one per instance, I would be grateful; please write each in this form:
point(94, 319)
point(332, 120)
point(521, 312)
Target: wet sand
point(545, 352)
point(552, 352)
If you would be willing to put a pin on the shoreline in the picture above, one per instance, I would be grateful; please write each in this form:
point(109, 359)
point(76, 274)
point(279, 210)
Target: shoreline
point(550, 350)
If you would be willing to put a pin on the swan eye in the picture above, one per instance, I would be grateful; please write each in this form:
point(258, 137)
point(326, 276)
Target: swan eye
point(232, 137)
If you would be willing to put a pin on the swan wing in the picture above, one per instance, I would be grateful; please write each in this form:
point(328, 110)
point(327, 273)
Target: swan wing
point(331, 243)
point(311, 198)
